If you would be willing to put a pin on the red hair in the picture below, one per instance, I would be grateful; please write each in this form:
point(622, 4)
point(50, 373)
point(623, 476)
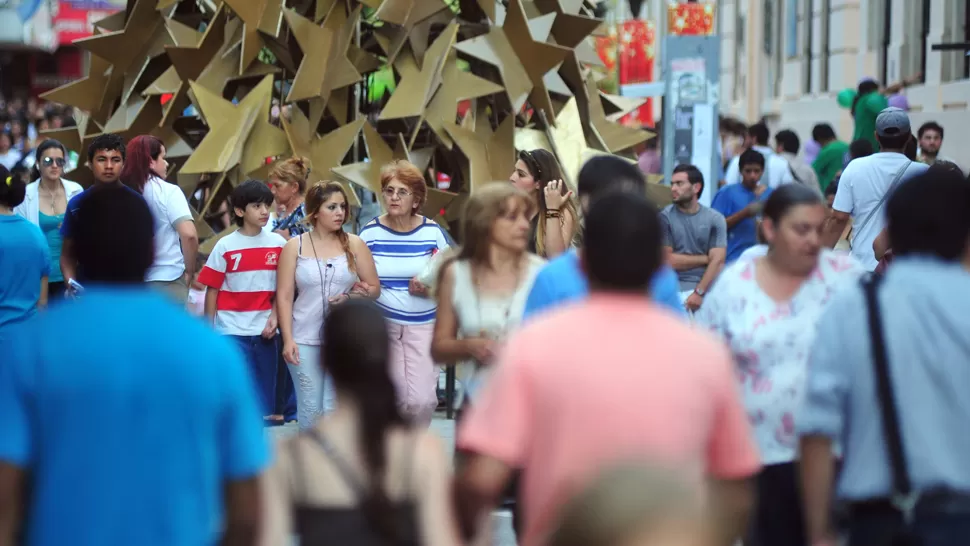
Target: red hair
point(406, 173)
point(139, 154)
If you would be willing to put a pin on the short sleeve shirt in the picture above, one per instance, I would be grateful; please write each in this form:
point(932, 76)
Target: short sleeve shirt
point(770, 342)
point(866, 112)
point(693, 234)
point(169, 208)
point(671, 384)
point(731, 200)
point(154, 432)
point(830, 160)
point(24, 261)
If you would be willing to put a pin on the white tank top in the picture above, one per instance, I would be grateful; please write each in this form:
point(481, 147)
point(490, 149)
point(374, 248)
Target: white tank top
point(317, 281)
point(497, 316)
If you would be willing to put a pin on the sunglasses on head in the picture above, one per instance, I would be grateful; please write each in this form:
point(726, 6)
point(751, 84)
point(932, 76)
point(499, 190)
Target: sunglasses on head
point(48, 161)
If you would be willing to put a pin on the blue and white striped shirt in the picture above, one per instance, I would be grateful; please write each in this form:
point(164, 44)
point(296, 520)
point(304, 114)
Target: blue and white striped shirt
point(400, 257)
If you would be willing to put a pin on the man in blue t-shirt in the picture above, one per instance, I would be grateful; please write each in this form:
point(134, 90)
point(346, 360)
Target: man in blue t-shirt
point(562, 280)
point(135, 423)
point(741, 204)
point(106, 158)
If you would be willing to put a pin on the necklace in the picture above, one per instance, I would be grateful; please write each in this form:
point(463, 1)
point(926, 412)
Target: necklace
point(52, 194)
point(505, 307)
point(324, 285)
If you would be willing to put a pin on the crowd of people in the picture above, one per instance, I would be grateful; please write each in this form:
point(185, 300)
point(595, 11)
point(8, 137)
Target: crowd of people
point(690, 376)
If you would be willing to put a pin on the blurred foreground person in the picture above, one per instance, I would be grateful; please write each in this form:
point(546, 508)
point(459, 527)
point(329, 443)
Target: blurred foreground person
point(361, 475)
point(633, 505)
point(112, 434)
point(887, 381)
point(667, 392)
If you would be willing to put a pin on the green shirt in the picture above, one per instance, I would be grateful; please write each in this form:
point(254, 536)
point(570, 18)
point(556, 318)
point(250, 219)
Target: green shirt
point(866, 111)
point(830, 160)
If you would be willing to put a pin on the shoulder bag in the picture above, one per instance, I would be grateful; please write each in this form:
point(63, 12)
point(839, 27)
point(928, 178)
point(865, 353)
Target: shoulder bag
point(896, 179)
point(903, 498)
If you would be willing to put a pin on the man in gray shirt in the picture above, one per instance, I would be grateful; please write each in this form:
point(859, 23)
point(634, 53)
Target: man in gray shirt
point(694, 236)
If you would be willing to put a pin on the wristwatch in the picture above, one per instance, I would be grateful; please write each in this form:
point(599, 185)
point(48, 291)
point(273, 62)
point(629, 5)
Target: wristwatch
point(700, 292)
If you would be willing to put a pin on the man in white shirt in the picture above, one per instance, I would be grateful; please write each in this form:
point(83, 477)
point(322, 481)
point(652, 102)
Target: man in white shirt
point(787, 145)
point(865, 184)
point(776, 172)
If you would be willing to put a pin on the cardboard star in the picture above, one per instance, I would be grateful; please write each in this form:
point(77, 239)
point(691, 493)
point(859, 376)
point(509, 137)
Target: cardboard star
point(259, 17)
point(137, 117)
point(417, 85)
point(325, 65)
point(367, 174)
point(490, 157)
point(456, 85)
point(616, 106)
point(324, 152)
point(521, 60)
point(419, 158)
point(572, 29)
point(239, 134)
point(408, 18)
point(131, 49)
point(88, 93)
point(609, 136)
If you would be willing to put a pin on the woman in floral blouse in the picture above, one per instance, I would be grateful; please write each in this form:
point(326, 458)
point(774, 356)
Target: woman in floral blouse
point(766, 310)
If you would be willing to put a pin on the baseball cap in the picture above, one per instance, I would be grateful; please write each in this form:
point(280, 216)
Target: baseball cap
point(892, 122)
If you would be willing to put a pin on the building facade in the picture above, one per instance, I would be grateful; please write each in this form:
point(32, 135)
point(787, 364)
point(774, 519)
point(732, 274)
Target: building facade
point(786, 60)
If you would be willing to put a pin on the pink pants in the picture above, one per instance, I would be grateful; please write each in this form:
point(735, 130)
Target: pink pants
point(413, 371)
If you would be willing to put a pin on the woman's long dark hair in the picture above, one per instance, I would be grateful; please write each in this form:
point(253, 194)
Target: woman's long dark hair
point(142, 150)
point(866, 87)
point(356, 355)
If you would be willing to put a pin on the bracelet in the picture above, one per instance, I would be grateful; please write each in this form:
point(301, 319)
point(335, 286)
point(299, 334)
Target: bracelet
point(553, 214)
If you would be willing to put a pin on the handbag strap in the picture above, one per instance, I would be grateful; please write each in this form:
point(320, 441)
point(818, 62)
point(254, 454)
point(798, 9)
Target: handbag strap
point(892, 186)
point(884, 391)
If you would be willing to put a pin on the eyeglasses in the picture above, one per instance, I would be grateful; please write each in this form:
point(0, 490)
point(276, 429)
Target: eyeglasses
point(48, 161)
point(391, 192)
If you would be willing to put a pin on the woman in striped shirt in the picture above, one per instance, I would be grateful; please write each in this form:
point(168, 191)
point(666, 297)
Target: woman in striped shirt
point(403, 242)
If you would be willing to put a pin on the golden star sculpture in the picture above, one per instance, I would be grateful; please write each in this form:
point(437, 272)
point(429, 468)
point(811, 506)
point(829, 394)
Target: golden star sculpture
point(456, 85)
point(418, 84)
point(259, 17)
point(325, 65)
point(239, 135)
point(521, 60)
point(324, 152)
point(490, 155)
point(407, 17)
point(367, 174)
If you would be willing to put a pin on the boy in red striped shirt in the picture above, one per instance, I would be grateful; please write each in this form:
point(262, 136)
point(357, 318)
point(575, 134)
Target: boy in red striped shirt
point(240, 276)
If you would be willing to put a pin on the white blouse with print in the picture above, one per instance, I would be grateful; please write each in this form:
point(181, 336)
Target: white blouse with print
point(770, 343)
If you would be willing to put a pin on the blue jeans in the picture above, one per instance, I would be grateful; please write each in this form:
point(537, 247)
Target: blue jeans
point(261, 355)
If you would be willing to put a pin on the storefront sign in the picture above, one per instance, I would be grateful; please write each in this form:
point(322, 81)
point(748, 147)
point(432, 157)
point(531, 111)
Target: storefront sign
point(74, 20)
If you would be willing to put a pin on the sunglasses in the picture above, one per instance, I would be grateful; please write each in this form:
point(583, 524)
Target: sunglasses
point(48, 161)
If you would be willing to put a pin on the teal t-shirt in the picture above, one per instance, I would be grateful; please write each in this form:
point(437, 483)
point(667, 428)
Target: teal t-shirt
point(866, 111)
point(830, 160)
point(51, 226)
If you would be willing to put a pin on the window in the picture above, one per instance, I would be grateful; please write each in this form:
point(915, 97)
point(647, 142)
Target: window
point(808, 16)
point(791, 29)
point(956, 64)
point(823, 68)
point(886, 33)
point(773, 60)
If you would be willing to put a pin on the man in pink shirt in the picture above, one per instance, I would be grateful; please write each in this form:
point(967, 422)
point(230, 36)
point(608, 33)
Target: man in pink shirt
point(607, 380)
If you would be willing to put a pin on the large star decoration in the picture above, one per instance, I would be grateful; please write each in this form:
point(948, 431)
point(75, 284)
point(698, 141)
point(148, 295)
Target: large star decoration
point(572, 30)
point(521, 60)
point(325, 65)
point(418, 84)
point(367, 174)
point(490, 156)
point(407, 23)
point(239, 134)
point(324, 152)
point(259, 17)
point(456, 85)
point(611, 137)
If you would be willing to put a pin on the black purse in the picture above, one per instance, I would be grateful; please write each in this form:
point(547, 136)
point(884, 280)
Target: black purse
point(903, 498)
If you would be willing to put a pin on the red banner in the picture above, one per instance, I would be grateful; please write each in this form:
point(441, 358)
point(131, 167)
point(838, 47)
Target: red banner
point(73, 21)
point(636, 45)
point(689, 19)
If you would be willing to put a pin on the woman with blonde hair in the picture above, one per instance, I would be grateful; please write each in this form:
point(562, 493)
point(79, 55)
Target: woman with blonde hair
point(403, 242)
point(482, 290)
point(288, 180)
point(633, 505)
point(322, 268)
point(555, 222)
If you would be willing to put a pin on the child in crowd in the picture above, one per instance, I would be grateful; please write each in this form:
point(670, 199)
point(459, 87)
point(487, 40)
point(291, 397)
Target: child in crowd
point(240, 276)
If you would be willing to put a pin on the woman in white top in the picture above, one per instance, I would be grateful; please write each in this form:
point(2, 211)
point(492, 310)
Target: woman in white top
point(45, 204)
point(403, 242)
point(766, 309)
point(320, 269)
point(482, 291)
point(176, 239)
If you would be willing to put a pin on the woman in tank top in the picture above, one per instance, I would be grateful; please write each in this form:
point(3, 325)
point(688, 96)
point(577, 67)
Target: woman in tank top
point(360, 476)
point(554, 222)
point(322, 269)
point(482, 291)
